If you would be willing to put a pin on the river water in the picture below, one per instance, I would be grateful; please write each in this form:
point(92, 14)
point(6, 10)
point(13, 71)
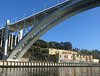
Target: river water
point(51, 71)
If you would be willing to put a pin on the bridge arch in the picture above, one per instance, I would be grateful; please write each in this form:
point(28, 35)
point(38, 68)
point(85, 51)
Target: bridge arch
point(78, 32)
point(50, 18)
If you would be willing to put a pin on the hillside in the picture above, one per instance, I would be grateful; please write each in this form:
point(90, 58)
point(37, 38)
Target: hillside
point(39, 51)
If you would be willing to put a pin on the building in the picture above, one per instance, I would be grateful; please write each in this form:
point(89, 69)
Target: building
point(96, 60)
point(55, 51)
point(65, 57)
point(76, 57)
point(91, 58)
point(68, 56)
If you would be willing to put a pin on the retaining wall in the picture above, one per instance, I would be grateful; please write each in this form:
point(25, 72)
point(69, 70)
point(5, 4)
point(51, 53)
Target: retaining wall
point(46, 64)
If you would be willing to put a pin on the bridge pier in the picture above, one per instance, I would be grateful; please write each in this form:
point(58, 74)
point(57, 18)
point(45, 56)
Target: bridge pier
point(16, 35)
point(19, 34)
point(33, 21)
point(24, 27)
point(27, 28)
point(9, 40)
point(1, 37)
point(5, 40)
point(12, 41)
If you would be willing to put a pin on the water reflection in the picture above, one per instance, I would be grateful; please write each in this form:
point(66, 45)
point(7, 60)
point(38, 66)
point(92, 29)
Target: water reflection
point(52, 71)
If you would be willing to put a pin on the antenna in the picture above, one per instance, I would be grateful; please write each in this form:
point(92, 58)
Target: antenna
point(33, 11)
point(15, 19)
point(44, 6)
point(57, 1)
point(11, 21)
point(24, 15)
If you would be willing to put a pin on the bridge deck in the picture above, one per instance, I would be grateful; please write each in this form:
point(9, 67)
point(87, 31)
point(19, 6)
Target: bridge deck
point(38, 17)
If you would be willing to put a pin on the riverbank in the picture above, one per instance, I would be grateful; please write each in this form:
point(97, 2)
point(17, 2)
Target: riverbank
point(46, 64)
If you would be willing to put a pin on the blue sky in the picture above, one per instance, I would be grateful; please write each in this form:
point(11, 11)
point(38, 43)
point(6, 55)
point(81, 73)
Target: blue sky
point(82, 30)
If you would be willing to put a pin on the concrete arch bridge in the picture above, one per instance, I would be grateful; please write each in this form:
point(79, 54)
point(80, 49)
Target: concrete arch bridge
point(39, 23)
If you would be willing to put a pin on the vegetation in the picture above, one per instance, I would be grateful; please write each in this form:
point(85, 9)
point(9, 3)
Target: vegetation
point(42, 46)
point(39, 51)
point(62, 45)
point(95, 53)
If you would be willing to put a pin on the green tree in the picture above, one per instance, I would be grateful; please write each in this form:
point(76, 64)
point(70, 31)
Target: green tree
point(67, 46)
point(52, 45)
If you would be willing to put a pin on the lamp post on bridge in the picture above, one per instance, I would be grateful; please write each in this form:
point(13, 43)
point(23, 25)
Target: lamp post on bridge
point(57, 1)
point(15, 19)
point(24, 15)
point(33, 11)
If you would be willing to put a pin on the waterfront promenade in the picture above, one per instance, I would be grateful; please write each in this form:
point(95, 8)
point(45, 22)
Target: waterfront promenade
point(46, 64)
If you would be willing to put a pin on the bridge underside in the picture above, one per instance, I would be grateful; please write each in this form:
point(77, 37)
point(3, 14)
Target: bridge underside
point(44, 21)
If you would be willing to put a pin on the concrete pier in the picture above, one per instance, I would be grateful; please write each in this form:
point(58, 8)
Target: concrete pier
point(46, 64)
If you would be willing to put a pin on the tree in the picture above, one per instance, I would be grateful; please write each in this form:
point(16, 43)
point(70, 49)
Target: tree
point(47, 45)
point(67, 46)
point(52, 45)
point(58, 45)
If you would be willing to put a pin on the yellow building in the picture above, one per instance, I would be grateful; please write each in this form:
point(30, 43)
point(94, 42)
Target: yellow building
point(74, 56)
point(91, 58)
point(70, 55)
point(81, 57)
point(60, 51)
point(54, 51)
point(84, 58)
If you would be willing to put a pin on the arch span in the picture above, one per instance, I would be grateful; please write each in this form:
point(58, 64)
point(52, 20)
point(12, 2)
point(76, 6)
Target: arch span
point(47, 20)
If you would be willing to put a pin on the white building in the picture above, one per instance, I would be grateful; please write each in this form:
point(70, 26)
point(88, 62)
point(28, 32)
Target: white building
point(96, 60)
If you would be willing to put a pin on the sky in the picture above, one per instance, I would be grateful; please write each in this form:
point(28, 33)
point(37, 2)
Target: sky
point(82, 30)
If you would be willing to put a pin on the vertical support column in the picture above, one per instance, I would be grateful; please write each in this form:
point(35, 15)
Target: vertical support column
point(33, 21)
point(33, 18)
point(45, 17)
point(27, 28)
point(37, 21)
point(45, 14)
point(16, 35)
point(19, 34)
point(5, 40)
point(9, 40)
point(24, 26)
point(1, 37)
point(44, 9)
point(12, 41)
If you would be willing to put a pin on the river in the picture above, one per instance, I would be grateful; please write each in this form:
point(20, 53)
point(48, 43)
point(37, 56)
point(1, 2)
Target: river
point(51, 71)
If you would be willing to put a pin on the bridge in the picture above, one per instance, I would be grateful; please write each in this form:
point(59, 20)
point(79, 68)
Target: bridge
point(30, 29)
